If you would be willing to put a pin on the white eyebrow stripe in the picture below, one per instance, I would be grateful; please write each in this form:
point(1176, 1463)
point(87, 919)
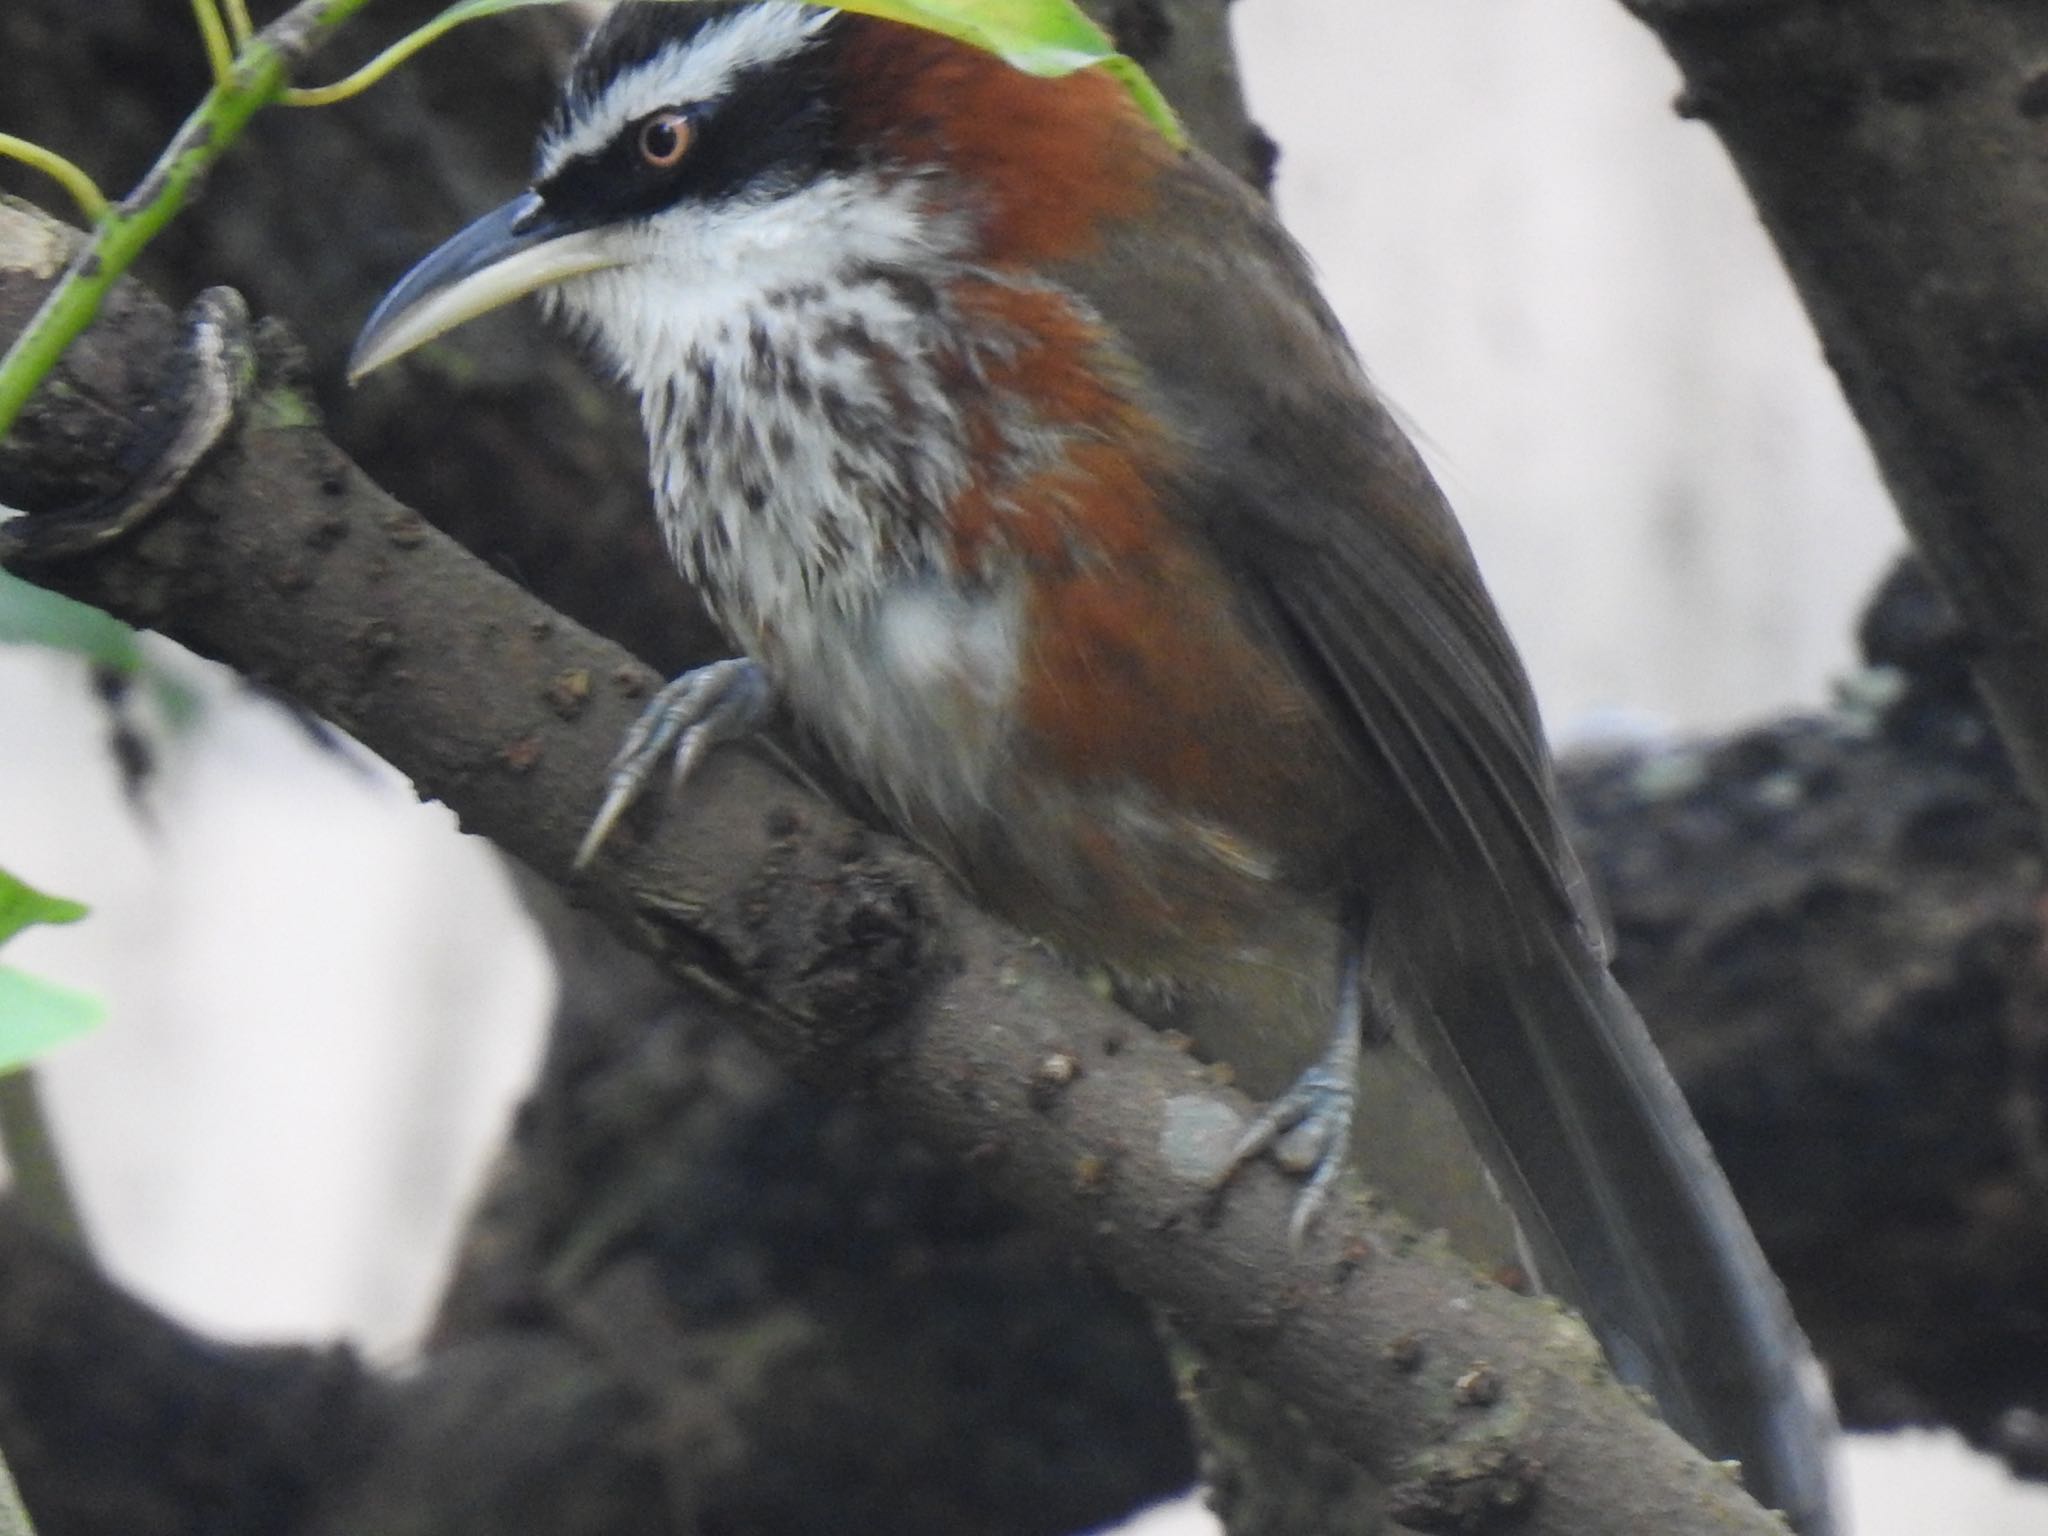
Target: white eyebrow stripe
point(702, 69)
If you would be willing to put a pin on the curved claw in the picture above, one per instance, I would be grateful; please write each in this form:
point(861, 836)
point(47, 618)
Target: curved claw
point(719, 702)
point(215, 368)
point(618, 799)
point(1308, 1130)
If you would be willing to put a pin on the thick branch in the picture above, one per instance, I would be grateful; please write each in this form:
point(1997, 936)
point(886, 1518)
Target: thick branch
point(791, 1284)
point(853, 962)
point(246, 1437)
point(1896, 151)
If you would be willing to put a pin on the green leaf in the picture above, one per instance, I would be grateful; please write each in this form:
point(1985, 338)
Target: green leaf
point(23, 906)
point(37, 1014)
point(1040, 37)
point(32, 615)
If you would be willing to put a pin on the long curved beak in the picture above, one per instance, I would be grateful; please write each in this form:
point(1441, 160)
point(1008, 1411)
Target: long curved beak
point(507, 253)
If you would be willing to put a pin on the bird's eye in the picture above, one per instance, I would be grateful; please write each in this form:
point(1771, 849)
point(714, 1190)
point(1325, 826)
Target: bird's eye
point(664, 139)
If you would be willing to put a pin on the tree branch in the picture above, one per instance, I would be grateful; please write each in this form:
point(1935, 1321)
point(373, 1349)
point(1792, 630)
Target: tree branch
point(1896, 153)
point(852, 961)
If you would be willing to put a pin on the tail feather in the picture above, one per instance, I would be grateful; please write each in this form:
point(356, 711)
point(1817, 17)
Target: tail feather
point(1624, 1209)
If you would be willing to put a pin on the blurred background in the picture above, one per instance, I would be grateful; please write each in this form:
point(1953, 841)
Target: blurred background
point(325, 1000)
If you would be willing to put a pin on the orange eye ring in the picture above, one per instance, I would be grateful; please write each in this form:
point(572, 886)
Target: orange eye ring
point(665, 139)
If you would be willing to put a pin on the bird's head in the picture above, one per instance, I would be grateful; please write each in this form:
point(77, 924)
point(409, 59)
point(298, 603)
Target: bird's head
point(703, 153)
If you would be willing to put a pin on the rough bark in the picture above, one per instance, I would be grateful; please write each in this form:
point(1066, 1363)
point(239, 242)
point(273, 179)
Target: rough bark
point(1898, 154)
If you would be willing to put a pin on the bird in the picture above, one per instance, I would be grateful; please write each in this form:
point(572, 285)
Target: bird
point(1014, 448)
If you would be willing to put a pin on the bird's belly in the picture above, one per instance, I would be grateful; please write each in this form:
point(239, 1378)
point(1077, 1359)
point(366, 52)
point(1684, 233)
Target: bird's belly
point(924, 700)
point(1206, 923)
point(912, 696)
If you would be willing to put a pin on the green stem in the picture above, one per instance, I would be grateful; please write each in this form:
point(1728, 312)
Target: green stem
point(91, 201)
point(220, 53)
point(403, 49)
point(40, 1189)
point(258, 78)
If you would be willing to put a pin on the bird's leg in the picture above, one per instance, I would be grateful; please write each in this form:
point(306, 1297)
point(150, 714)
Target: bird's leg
point(215, 365)
point(721, 701)
point(1308, 1128)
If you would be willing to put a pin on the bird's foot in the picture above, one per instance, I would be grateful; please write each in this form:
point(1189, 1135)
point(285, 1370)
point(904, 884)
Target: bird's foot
point(215, 366)
point(1308, 1128)
point(719, 702)
point(1308, 1132)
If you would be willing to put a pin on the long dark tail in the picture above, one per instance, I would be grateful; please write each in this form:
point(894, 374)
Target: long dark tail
point(1626, 1213)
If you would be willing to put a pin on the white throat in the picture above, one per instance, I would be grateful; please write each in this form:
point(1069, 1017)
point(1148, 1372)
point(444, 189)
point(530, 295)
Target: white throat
point(801, 446)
